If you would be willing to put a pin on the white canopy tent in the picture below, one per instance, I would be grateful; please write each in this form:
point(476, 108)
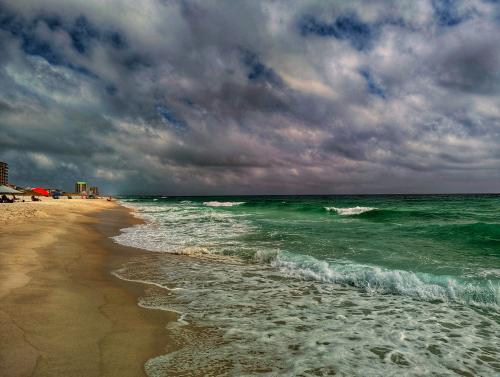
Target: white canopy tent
point(8, 190)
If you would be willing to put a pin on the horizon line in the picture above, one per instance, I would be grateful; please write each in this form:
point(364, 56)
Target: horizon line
point(249, 195)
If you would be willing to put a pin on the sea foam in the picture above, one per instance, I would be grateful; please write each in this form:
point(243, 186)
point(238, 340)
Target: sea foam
point(185, 228)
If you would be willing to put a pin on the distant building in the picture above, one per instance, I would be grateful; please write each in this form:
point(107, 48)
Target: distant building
point(4, 173)
point(94, 190)
point(80, 187)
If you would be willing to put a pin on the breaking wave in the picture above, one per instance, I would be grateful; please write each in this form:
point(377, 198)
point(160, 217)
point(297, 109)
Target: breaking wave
point(350, 211)
point(222, 204)
point(374, 280)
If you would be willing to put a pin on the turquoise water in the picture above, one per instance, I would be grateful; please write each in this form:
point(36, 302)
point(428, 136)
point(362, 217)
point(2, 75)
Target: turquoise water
point(395, 284)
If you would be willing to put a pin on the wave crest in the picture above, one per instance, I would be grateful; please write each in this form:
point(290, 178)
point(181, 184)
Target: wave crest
point(222, 204)
point(350, 211)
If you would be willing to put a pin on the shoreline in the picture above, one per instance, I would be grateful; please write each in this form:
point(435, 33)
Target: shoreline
point(61, 308)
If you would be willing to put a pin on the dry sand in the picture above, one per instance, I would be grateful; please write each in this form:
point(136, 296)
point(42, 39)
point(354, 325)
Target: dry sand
point(61, 311)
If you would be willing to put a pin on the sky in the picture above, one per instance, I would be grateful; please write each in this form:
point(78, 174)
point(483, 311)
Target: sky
point(251, 97)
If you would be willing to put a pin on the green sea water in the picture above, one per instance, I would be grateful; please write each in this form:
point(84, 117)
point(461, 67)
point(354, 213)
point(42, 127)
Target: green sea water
point(395, 284)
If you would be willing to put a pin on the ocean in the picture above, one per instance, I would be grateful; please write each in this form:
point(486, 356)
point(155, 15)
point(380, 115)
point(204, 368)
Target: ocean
point(322, 285)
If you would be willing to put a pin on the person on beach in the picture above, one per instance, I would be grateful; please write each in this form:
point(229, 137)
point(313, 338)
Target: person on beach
point(6, 200)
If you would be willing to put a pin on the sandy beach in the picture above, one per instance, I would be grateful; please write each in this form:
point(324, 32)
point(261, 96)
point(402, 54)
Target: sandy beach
point(61, 311)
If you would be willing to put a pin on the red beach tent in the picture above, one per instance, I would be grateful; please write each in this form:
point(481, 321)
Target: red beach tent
point(40, 191)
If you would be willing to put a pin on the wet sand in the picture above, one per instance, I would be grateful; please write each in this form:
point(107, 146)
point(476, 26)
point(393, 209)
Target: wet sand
point(62, 313)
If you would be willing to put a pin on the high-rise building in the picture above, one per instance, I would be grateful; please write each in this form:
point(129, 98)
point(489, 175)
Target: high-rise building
point(94, 190)
point(4, 173)
point(80, 187)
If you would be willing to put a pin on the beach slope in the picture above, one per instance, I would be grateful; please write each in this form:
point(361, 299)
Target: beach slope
point(61, 311)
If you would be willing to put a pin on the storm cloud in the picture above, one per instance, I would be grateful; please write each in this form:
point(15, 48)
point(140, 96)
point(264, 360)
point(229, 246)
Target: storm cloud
point(251, 97)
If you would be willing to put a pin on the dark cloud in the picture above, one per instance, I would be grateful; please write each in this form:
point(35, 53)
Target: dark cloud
point(258, 72)
point(372, 85)
point(471, 66)
point(345, 27)
point(197, 97)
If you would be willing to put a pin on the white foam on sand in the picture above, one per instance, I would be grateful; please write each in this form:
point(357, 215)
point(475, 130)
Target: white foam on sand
point(261, 320)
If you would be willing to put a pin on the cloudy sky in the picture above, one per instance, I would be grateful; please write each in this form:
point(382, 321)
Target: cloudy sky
point(252, 97)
